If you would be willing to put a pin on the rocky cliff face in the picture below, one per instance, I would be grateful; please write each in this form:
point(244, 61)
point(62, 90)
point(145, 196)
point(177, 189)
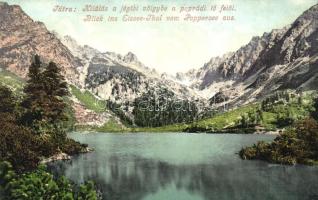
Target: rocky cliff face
point(21, 38)
point(282, 59)
point(120, 79)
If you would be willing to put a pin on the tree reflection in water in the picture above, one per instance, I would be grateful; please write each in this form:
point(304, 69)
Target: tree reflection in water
point(133, 178)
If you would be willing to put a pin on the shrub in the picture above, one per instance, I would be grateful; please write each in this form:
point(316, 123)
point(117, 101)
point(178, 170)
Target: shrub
point(18, 145)
point(248, 153)
point(71, 147)
point(41, 185)
point(298, 145)
point(284, 121)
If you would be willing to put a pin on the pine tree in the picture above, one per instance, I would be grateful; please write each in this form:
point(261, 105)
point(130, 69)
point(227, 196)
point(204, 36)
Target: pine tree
point(7, 101)
point(55, 83)
point(33, 101)
point(44, 105)
point(56, 89)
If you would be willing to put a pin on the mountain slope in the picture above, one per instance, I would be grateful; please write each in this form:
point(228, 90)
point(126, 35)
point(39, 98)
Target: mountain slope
point(123, 81)
point(109, 76)
point(21, 38)
point(282, 59)
point(285, 58)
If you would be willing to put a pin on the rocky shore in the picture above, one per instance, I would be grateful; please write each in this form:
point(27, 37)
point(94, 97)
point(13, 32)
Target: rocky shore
point(63, 156)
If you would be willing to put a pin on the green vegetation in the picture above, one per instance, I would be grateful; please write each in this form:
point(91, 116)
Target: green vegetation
point(16, 85)
point(111, 126)
point(118, 111)
point(40, 184)
point(275, 112)
point(33, 127)
point(162, 129)
point(279, 110)
point(297, 145)
point(222, 120)
point(161, 108)
point(11, 81)
point(69, 124)
point(88, 100)
point(18, 144)
point(43, 105)
point(91, 102)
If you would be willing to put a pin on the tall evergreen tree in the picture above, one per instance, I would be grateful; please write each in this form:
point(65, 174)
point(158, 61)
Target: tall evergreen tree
point(56, 88)
point(33, 101)
point(44, 104)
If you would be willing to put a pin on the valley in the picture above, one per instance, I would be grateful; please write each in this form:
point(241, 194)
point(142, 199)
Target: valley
point(281, 60)
point(78, 123)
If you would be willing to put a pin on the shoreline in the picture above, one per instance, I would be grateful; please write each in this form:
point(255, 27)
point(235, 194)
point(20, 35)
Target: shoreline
point(63, 156)
point(277, 132)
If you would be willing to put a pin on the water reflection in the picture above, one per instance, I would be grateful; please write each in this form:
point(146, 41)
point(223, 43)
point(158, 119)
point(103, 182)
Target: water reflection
point(132, 177)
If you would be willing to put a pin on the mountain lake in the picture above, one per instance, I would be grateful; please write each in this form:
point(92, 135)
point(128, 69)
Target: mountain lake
point(183, 166)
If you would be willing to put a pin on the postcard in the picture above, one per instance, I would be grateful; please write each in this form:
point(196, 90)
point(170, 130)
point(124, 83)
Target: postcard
point(158, 100)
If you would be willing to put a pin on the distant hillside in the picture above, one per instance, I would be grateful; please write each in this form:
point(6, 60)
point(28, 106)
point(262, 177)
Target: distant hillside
point(285, 58)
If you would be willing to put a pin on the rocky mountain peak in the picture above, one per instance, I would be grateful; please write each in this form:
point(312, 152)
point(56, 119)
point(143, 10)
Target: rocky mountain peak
point(309, 15)
point(12, 15)
point(130, 57)
point(68, 38)
point(82, 52)
point(277, 59)
point(21, 38)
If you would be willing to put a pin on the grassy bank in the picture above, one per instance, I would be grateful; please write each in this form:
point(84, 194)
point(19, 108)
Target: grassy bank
point(268, 115)
point(90, 101)
point(11, 81)
point(276, 113)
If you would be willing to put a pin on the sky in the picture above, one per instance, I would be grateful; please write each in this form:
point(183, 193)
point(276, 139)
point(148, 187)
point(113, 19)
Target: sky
point(167, 46)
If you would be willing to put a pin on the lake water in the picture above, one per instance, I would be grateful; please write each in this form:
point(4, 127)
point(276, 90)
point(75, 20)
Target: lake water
point(184, 167)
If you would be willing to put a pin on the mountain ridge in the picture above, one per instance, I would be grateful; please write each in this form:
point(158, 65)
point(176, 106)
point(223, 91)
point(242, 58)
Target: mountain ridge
point(21, 37)
point(284, 58)
point(267, 63)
